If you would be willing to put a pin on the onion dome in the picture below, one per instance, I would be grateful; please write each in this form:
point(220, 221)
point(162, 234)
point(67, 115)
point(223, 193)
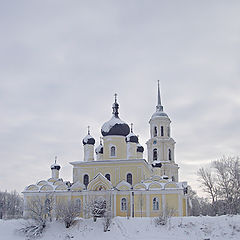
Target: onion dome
point(99, 149)
point(159, 108)
point(88, 139)
point(131, 137)
point(115, 126)
point(156, 164)
point(55, 165)
point(140, 148)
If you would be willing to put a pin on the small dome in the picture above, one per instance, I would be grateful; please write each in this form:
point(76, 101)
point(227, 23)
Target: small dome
point(115, 126)
point(159, 114)
point(55, 166)
point(99, 149)
point(88, 140)
point(131, 137)
point(140, 148)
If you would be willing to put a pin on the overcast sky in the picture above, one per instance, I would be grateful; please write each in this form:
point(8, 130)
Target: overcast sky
point(62, 61)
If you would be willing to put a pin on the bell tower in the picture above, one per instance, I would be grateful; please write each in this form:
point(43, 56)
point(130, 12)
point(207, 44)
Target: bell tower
point(161, 145)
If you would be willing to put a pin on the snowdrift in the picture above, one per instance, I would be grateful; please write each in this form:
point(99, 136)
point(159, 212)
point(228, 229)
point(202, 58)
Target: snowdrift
point(185, 228)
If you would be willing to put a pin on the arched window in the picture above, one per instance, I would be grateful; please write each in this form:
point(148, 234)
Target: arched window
point(169, 154)
point(85, 180)
point(162, 133)
point(113, 151)
point(154, 154)
point(107, 176)
point(78, 204)
point(129, 178)
point(124, 204)
point(155, 204)
point(173, 178)
point(168, 131)
point(155, 131)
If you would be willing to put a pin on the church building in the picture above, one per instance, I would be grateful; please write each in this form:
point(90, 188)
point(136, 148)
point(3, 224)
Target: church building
point(117, 172)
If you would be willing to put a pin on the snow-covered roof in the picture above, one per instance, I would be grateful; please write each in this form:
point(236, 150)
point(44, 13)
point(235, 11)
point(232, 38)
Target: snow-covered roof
point(88, 140)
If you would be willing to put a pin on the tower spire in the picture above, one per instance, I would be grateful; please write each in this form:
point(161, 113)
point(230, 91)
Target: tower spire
point(159, 106)
point(115, 106)
point(88, 130)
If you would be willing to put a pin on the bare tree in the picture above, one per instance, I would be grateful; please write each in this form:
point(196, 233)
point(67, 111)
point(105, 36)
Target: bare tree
point(11, 205)
point(38, 212)
point(67, 212)
point(223, 184)
point(208, 182)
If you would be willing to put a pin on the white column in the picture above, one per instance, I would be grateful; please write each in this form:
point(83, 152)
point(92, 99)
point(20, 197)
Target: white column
point(180, 209)
point(163, 202)
point(114, 205)
point(147, 205)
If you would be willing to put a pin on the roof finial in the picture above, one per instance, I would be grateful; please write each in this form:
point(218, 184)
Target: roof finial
point(88, 130)
point(55, 160)
point(131, 127)
point(159, 106)
point(115, 107)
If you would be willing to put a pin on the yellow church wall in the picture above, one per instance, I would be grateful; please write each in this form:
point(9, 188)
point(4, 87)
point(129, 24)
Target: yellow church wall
point(140, 205)
point(184, 206)
point(172, 203)
point(117, 171)
point(155, 213)
point(118, 205)
point(74, 198)
point(120, 144)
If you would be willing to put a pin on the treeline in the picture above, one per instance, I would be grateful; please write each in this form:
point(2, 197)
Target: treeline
point(11, 205)
point(221, 183)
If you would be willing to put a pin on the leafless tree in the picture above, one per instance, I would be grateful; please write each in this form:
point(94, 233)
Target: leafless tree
point(208, 182)
point(222, 183)
point(39, 212)
point(11, 205)
point(67, 212)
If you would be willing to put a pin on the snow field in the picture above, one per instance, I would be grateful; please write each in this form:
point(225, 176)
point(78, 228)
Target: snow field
point(186, 228)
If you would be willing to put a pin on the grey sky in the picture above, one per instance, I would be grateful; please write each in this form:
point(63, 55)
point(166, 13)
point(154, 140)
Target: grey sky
point(62, 61)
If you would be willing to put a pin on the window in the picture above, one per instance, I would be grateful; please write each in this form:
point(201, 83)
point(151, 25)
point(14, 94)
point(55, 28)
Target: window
point(113, 151)
point(155, 204)
point(169, 154)
point(154, 154)
point(78, 204)
point(162, 131)
point(155, 131)
point(129, 178)
point(173, 178)
point(124, 204)
point(107, 176)
point(85, 180)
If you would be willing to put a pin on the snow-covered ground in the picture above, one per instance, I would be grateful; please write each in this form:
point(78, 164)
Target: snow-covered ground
point(194, 228)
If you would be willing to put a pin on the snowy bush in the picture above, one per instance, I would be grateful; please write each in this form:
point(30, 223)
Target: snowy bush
point(33, 229)
point(163, 217)
point(67, 212)
point(98, 208)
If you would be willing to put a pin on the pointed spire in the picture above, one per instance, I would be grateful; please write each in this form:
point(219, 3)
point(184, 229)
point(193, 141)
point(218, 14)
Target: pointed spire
point(159, 106)
point(55, 160)
point(115, 106)
point(88, 131)
point(131, 127)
